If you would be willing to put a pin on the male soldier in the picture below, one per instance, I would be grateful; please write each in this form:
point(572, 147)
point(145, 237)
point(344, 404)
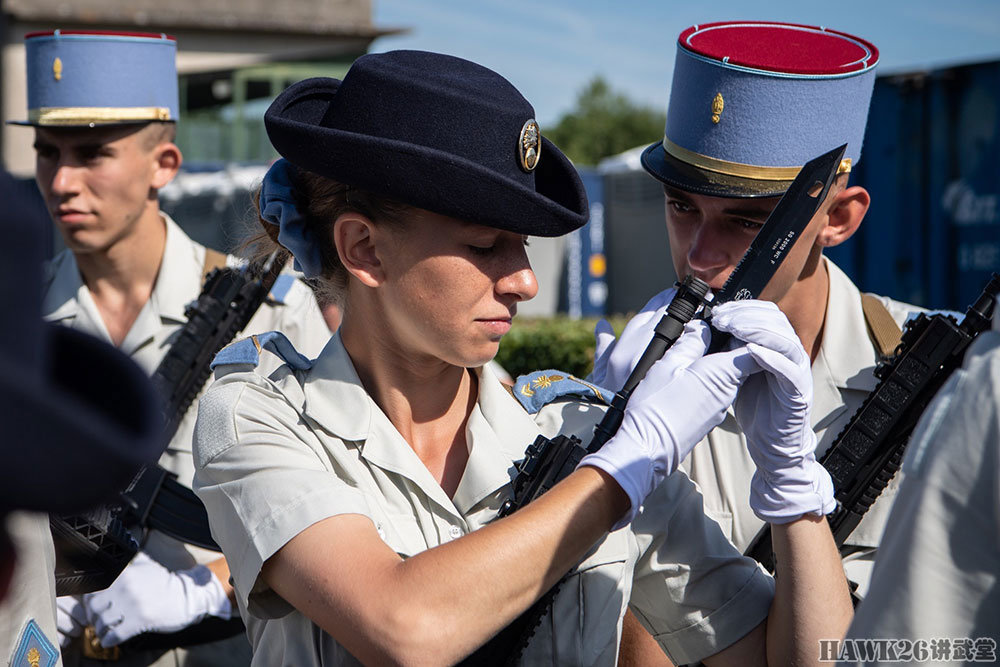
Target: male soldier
point(751, 103)
point(104, 108)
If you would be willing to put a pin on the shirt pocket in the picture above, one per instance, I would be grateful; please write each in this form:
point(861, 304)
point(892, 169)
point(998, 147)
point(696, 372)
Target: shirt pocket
point(725, 520)
point(599, 587)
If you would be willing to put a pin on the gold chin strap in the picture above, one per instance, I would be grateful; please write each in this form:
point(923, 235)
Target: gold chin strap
point(83, 115)
point(740, 170)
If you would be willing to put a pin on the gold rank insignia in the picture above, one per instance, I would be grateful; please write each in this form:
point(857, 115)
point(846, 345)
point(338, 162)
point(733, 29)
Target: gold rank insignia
point(718, 104)
point(529, 145)
point(540, 382)
point(57, 69)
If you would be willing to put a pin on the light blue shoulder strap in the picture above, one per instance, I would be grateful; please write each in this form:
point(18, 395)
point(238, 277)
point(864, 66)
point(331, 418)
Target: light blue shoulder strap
point(536, 390)
point(282, 286)
point(247, 351)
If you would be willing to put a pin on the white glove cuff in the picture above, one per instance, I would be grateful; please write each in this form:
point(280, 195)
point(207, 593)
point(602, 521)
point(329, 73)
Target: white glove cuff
point(634, 474)
point(803, 489)
point(205, 594)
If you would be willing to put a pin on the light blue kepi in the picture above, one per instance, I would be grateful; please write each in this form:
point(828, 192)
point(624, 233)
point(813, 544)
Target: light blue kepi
point(87, 78)
point(753, 101)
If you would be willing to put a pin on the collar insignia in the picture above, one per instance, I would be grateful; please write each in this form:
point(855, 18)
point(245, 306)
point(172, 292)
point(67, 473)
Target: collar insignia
point(529, 145)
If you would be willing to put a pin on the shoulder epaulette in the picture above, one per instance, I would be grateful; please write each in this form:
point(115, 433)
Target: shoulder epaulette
point(282, 286)
point(248, 350)
point(34, 648)
point(536, 390)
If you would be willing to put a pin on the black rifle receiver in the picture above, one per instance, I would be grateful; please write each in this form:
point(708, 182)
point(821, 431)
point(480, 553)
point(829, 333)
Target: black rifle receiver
point(869, 450)
point(92, 548)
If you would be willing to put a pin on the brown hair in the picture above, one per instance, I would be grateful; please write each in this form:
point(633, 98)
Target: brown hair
point(157, 132)
point(321, 201)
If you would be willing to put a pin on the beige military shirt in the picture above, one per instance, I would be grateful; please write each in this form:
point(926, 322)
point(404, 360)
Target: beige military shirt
point(291, 308)
point(28, 612)
point(935, 584)
point(276, 453)
point(842, 378)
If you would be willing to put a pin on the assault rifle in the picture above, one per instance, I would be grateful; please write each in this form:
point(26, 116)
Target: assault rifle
point(94, 547)
point(547, 461)
point(869, 450)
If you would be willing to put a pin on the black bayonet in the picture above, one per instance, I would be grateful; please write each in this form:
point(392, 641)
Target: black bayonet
point(782, 229)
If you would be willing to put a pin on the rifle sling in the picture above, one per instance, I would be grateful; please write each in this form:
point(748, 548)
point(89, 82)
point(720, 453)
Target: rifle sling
point(882, 329)
point(213, 260)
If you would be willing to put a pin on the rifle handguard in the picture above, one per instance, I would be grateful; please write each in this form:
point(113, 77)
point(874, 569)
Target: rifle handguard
point(868, 451)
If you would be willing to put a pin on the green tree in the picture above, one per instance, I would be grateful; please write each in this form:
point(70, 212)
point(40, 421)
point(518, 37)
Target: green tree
point(604, 123)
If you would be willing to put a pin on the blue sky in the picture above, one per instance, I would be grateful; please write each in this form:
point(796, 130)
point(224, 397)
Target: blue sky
point(549, 49)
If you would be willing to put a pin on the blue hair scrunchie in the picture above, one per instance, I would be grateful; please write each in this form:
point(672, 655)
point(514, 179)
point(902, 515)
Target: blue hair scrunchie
point(277, 207)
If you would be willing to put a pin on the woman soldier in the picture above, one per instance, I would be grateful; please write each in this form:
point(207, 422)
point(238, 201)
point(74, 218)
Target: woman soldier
point(354, 494)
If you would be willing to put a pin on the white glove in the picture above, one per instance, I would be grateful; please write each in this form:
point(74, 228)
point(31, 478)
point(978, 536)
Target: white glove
point(772, 408)
point(147, 597)
point(615, 359)
point(683, 396)
point(71, 617)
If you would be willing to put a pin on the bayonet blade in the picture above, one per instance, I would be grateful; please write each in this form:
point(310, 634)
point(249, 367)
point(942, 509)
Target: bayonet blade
point(782, 228)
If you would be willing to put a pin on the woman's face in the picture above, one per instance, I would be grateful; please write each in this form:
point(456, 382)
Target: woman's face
point(451, 288)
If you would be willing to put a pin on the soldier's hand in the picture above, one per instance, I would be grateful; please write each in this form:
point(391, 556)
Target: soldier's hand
point(148, 597)
point(683, 396)
point(772, 409)
point(71, 617)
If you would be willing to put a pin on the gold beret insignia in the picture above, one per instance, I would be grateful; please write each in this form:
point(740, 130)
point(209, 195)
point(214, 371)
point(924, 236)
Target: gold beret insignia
point(529, 145)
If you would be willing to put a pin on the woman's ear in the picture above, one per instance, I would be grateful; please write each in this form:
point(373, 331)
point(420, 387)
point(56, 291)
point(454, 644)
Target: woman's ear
point(845, 216)
point(354, 236)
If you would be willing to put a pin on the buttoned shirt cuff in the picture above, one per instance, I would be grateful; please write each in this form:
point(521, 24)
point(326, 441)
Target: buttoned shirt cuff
point(723, 627)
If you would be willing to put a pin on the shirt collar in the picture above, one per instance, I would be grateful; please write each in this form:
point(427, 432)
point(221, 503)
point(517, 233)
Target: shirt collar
point(61, 301)
point(337, 402)
point(846, 349)
point(334, 397)
point(180, 276)
point(181, 273)
point(498, 429)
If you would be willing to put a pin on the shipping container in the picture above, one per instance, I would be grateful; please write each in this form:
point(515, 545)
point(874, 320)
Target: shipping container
point(636, 243)
point(931, 161)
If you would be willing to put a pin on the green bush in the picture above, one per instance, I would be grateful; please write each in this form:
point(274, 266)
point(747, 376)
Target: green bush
point(537, 343)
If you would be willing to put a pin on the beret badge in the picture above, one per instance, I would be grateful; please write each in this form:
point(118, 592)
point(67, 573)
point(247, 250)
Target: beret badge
point(529, 145)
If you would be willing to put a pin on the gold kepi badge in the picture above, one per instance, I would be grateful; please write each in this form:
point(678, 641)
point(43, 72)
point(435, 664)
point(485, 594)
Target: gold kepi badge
point(529, 145)
point(718, 104)
point(57, 69)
